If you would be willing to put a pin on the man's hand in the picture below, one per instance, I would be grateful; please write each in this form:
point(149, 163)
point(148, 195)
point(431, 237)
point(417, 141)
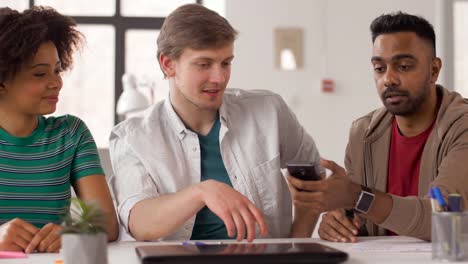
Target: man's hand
point(46, 240)
point(236, 211)
point(337, 227)
point(334, 192)
point(16, 234)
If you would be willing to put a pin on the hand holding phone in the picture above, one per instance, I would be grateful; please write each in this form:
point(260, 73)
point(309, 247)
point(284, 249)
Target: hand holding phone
point(304, 171)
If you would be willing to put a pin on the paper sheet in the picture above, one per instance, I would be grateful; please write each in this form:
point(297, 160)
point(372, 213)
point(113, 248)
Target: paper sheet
point(387, 246)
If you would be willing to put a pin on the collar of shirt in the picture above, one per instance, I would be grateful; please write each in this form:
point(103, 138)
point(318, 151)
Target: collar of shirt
point(181, 130)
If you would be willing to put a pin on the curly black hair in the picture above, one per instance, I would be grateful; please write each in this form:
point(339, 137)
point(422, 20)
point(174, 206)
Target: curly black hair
point(21, 35)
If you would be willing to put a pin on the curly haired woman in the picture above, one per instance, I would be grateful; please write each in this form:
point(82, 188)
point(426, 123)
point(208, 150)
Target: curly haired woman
point(41, 157)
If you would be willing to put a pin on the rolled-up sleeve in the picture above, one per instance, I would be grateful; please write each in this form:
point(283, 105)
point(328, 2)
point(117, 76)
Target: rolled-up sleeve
point(132, 182)
point(295, 143)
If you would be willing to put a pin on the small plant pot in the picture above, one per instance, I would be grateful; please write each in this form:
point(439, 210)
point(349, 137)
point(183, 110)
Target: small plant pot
point(84, 248)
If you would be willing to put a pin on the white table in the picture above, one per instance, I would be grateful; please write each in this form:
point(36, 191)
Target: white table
point(399, 250)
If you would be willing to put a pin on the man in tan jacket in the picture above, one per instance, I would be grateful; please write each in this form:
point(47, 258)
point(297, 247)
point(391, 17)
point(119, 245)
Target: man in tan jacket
point(419, 139)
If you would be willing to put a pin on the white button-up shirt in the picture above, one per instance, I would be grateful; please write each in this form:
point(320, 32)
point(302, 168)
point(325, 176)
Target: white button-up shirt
point(156, 154)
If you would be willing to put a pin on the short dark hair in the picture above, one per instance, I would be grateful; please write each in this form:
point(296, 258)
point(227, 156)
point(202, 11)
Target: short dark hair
point(403, 22)
point(193, 26)
point(21, 35)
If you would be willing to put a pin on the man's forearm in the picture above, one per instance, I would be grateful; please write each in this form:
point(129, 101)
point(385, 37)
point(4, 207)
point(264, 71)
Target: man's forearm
point(161, 216)
point(380, 208)
point(304, 223)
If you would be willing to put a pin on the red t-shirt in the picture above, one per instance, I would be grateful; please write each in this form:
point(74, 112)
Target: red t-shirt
point(404, 162)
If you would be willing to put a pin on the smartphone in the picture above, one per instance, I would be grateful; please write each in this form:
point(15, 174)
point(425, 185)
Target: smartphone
point(304, 171)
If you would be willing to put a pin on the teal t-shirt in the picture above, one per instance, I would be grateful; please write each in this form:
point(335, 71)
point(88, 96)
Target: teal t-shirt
point(207, 224)
point(36, 171)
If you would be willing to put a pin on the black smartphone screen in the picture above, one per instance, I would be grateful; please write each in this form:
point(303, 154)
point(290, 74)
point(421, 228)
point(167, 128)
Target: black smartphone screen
point(305, 172)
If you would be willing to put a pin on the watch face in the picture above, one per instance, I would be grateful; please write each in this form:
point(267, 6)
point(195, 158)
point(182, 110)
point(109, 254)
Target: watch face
point(365, 202)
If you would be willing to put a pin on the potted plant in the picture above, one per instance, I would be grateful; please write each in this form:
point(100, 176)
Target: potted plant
point(84, 239)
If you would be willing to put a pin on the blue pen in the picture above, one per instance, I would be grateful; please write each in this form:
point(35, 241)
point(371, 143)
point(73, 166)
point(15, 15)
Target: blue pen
point(454, 205)
point(434, 205)
point(454, 202)
point(440, 199)
point(196, 243)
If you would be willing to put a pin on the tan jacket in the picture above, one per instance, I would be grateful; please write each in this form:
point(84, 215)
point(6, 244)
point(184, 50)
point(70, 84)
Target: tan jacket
point(444, 163)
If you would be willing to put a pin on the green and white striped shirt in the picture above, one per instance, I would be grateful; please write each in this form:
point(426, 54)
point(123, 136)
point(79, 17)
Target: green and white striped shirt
point(36, 171)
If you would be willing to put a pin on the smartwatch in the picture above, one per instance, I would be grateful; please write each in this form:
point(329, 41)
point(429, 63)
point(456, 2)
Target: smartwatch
point(365, 200)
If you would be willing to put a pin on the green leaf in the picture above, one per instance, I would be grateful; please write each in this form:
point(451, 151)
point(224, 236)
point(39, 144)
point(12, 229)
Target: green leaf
point(84, 218)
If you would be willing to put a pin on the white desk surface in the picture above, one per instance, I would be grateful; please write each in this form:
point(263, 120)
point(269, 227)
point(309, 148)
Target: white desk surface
point(399, 250)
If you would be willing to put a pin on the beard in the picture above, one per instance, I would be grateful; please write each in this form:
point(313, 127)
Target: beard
point(409, 104)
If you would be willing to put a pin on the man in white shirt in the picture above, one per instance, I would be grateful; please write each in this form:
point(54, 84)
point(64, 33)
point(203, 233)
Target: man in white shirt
point(205, 163)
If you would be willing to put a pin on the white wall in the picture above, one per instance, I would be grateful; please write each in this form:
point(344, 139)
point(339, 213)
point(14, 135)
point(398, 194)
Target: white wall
point(337, 45)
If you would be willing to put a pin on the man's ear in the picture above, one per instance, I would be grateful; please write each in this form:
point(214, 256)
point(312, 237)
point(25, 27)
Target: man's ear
point(167, 65)
point(435, 69)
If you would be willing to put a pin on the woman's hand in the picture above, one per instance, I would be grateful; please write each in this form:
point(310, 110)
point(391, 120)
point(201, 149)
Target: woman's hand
point(16, 235)
point(47, 240)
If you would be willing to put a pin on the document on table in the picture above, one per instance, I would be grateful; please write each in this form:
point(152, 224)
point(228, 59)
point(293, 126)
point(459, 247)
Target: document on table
point(392, 245)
